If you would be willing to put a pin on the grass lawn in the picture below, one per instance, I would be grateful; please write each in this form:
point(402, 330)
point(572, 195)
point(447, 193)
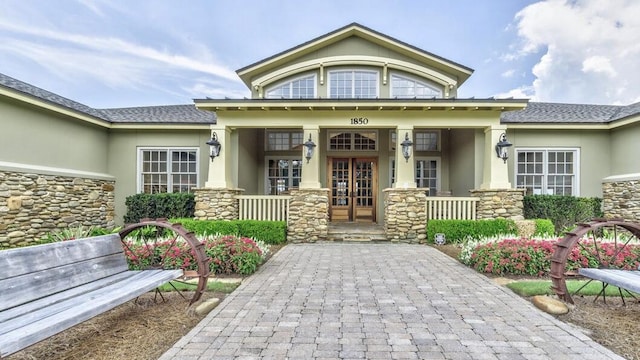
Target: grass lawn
point(216, 286)
point(543, 287)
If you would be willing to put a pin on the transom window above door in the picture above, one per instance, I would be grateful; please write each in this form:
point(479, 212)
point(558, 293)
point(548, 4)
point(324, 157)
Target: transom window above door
point(353, 84)
point(423, 140)
point(299, 88)
point(284, 140)
point(353, 140)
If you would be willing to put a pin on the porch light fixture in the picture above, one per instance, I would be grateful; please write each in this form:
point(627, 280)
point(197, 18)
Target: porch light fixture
point(309, 147)
point(501, 147)
point(406, 147)
point(214, 146)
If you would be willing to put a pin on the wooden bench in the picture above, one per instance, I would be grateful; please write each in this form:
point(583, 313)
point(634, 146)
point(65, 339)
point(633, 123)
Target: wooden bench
point(623, 279)
point(45, 289)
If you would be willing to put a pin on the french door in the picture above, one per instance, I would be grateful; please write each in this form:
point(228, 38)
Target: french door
point(354, 185)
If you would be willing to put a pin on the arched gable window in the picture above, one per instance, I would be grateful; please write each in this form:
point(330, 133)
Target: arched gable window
point(299, 88)
point(405, 87)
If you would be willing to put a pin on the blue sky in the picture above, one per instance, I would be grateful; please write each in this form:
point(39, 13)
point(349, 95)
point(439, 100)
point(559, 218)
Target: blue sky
point(122, 53)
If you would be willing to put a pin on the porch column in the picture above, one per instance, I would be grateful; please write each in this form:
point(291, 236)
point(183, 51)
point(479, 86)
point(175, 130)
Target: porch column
point(405, 168)
point(220, 167)
point(495, 174)
point(310, 178)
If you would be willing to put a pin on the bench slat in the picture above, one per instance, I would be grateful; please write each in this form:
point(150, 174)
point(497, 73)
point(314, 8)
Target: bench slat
point(30, 308)
point(16, 262)
point(84, 307)
point(22, 289)
point(625, 279)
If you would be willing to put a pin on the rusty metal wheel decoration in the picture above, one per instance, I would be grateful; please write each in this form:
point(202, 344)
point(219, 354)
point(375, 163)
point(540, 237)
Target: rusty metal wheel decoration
point(159, 244)
point(620, 236)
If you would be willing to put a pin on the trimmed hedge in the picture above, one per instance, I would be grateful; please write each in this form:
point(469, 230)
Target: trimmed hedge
point(271, 232)
point(455, 231)
point(563, 211)
point(153, 206)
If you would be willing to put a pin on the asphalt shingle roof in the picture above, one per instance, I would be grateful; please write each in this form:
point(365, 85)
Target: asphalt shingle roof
point(535, 112)
point(557, 113)
point(167, 114)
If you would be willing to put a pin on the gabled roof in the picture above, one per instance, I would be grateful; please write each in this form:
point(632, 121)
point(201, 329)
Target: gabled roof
point(558, 113)
point(165, 114)
point(354, 29)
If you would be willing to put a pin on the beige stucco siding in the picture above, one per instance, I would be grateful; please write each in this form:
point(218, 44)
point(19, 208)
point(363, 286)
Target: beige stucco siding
point(123, 154)
point(594, 147)
point(625, 148)
point(462, 162)
point(250, 144)
point(31, 136)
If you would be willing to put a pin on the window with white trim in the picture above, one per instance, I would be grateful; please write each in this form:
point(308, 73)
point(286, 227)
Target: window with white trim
point(283, 174)
point(403, 87)
point(427, 173)
point(162, 170)
point(300, 88)
point(353, 84)
point(284, 140)
point(423, 140)
point(353, 140)
point(548, 171)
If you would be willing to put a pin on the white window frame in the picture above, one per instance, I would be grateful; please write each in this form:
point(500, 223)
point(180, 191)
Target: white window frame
point(545, 166)
point(438, 133)
point(139, 158)
point(330, 131)
point(415, 81)
point(267, 183)
point(290, 82)
point(353, 86)
point(283, 131)
point(438, 161)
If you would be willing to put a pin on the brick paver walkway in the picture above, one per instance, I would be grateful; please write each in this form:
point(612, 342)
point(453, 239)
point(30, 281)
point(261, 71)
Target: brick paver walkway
point(377, 301)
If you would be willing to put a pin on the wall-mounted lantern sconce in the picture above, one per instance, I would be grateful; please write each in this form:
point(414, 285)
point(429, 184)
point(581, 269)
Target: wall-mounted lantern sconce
point(502, 146)
point(214, 146)
point(406, 147)
point(309, 147)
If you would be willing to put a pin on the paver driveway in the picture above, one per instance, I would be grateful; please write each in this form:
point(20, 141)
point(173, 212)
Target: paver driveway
point(377, 301)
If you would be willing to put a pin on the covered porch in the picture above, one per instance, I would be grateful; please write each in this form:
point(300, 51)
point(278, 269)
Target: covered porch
point(396, 166)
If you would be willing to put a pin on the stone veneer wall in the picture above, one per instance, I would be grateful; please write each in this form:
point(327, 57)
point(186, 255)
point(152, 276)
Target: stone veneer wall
point(216, 204)
point(621, 197)
point(499, 203)
point(32, 205)
point(405, 215)
point(308, 215)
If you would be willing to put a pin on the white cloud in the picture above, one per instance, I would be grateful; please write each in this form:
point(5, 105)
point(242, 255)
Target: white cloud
point(524, 92)
point(509, 73)
point(589, 49)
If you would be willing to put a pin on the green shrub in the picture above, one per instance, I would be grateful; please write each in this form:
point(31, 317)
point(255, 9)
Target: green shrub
point(456, 231)
point(271, 232)
point(544, 228)
point(153, 206)
point(563, 211)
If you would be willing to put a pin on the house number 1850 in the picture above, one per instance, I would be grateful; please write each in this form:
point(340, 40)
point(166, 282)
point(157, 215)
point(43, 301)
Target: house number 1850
point(359, 121)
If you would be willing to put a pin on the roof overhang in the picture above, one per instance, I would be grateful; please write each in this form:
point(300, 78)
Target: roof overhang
point(360, 104)
point(461, 72)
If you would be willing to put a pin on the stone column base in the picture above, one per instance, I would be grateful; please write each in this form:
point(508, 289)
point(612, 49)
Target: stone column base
point(621, 197)
point(405, 214)
point(216, 204)
point(308, 215)
point(499, 203)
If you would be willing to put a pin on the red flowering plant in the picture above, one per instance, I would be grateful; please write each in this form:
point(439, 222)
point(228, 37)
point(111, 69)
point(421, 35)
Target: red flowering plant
point(229, 254)
point(533, 257)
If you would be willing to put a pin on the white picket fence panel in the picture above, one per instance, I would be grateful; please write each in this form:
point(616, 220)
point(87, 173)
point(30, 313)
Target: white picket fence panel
point(263, 207)
point(451, 208)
